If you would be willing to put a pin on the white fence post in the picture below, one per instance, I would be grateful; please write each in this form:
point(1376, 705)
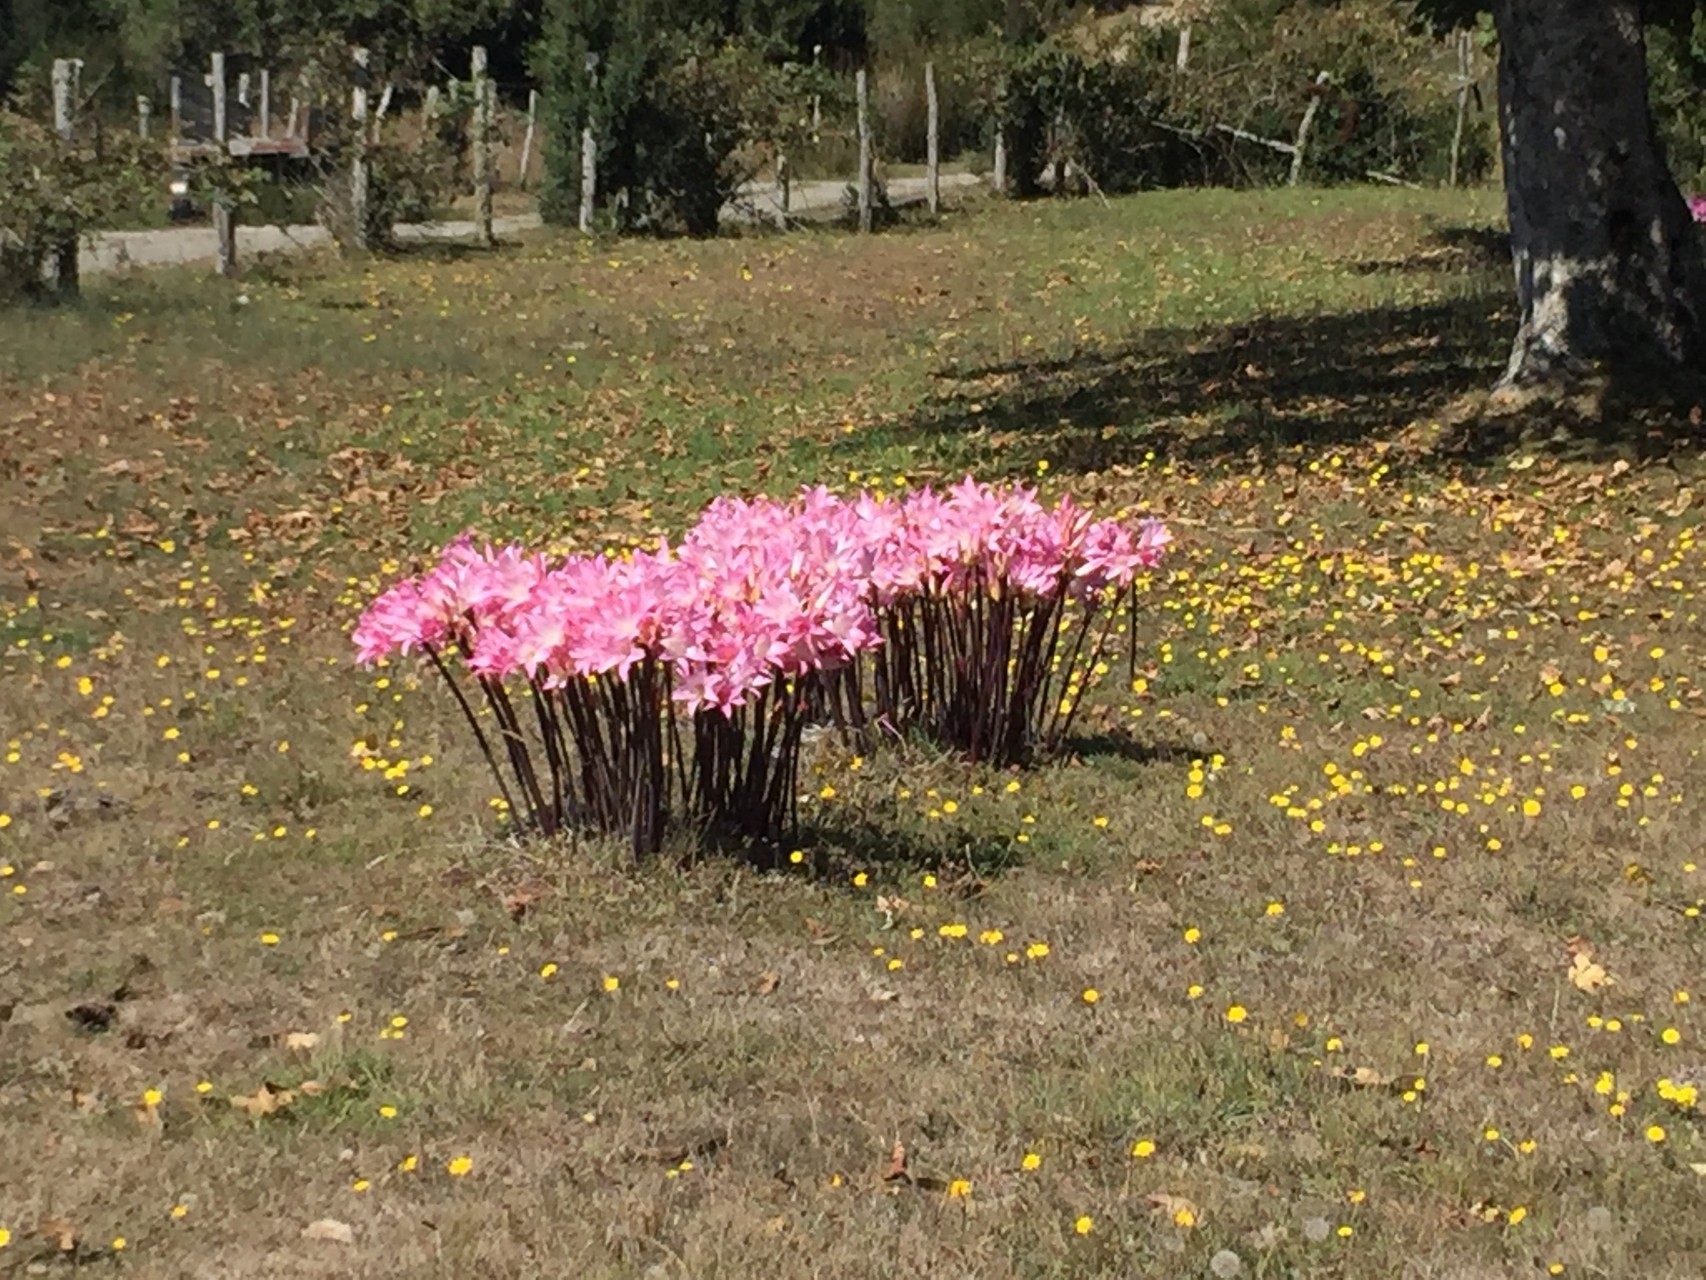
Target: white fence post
point(482, 146)
point(65, 266)
point(864, 94)
point(1303, 129)
point(358, 173)
point(217, 80)
point(589, 158)
point(932, 142)
point(527, 138)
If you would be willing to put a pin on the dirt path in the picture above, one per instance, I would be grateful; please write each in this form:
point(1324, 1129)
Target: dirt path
point(175, 246)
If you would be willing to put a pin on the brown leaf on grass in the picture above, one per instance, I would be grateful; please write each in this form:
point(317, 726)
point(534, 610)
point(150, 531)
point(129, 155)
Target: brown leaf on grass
point(767, 982)
point(265, 1101)
point(1183, 1212)
point(895, 1170)
point(329, 1229)
point(1587, 974)
point(59, 1232)
point(1363, 1077)
point(302, 1041)
point(519, 901)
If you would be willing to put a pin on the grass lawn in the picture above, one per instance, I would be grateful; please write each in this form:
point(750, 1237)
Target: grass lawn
point(1357, 937)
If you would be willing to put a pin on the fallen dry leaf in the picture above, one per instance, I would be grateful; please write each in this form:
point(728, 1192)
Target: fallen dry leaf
point(896, 1170)
point(1364, 1077)
point(268, 1099)
point(767, 982)
point(1587, 974)
point(329, 1229)
point(60, 1231)
point(302, 1041)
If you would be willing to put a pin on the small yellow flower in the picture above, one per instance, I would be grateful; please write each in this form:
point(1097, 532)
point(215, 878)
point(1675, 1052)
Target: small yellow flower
point(360, 1185)
point(1516, 1215)
point(548, 970)
point(959, 1189)
point(1143, 1148)
point(1091, 995)
point(1655, 1133)
point(1193, 935)
point(860, 880)
point(119, 1243)
point(387, 1111)
point(1185, 1218)
point(204, 1086)
point(152, 1098)
point(1276, 909)
point(1084, 1225)
point(180, 1210)
point(1237, 1013)
point(1670, 1035)
point(408, 1163)
point(612, 982)
point(269, 939)
point(1032, 1161)
point(460, 1167)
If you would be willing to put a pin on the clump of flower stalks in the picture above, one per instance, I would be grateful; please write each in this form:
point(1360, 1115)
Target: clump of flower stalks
point(625, 694)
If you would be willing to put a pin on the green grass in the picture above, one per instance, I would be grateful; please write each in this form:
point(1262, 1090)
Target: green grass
point(1418, 717)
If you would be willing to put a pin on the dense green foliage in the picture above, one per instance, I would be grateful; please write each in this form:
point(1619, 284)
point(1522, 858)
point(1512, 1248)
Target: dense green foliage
point(55, 192)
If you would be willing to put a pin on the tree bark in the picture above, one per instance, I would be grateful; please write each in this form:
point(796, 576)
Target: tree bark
point(1609, 274)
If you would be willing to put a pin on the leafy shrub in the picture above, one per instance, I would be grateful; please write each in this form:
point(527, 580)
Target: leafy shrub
point(55, 192)
point(681, 118)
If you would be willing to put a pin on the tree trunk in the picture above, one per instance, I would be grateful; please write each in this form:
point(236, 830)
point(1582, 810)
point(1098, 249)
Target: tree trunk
point(1609, 274)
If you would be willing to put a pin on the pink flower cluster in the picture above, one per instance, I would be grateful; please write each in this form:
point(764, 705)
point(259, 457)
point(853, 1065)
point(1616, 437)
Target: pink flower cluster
point(757, 591)
point(1697, 206)
point(767, 614)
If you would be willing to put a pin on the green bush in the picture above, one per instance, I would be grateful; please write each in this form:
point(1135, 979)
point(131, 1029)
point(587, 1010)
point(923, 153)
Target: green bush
point(56, 192)
point(1104, 96)
point(1676, 64)
point(681, 118)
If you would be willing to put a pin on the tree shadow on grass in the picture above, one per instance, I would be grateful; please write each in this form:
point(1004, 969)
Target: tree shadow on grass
point(1254, 391)
point(1247, 391)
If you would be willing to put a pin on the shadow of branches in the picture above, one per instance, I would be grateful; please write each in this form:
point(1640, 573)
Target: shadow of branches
point(1251, 389)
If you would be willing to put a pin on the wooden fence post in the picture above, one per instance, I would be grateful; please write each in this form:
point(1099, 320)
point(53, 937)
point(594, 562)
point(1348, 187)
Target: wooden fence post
point(224, 223)
point(176, 105)
point(1301, 146)
point(384, 106)
point(864, 94)
point(784, 190)
point(218, 83)
point(932, 142)
point(589, 159)
point(358, 173)
point(999, 180)
point(527, 138)
point(482, 147)
point(243, 88)
point(1465, 82)
point(143, 110)
point(1183, 61)
point(65, 267)
point(266, 103)
point(817, 98)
